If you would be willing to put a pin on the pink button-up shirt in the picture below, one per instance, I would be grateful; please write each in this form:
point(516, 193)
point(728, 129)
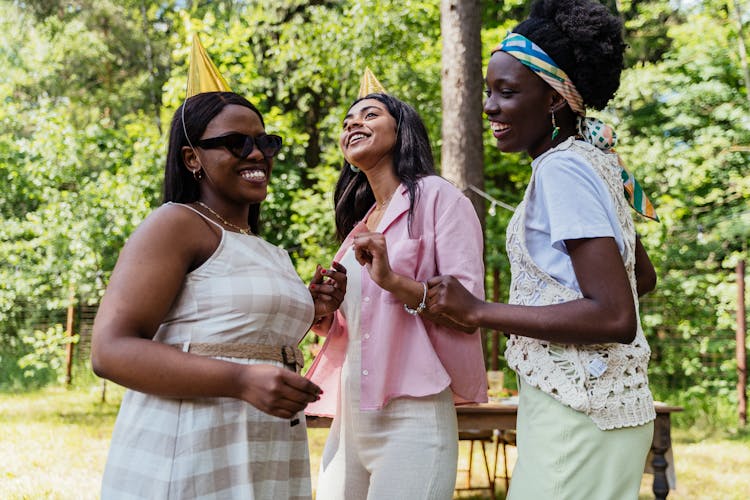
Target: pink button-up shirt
point(405, 355)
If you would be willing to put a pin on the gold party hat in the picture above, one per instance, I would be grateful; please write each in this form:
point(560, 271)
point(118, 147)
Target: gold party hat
point(370, 84)
point(202, 74)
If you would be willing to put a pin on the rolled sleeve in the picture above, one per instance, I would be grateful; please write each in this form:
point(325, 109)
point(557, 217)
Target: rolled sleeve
point(576, 201)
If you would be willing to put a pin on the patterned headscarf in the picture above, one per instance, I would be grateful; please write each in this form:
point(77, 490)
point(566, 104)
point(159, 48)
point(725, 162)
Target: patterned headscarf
point(592, 130)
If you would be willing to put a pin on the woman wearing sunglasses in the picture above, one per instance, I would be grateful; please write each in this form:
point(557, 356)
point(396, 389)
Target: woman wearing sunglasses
point(201, 321)
point(390, 374)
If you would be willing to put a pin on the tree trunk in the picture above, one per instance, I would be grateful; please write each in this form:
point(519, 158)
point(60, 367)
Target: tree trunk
point(462, 81)
point(741, 43)
point(741, 346)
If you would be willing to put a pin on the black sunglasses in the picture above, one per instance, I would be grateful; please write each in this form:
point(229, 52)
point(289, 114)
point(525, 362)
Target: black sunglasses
point(241, 145)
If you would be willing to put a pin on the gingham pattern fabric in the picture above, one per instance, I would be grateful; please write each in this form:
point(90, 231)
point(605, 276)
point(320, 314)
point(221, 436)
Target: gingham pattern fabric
point(593, 131)
point(211, 448)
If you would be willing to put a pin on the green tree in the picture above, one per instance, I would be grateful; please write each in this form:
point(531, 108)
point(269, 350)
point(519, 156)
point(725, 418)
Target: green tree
point(88, 87)
point(682, 122)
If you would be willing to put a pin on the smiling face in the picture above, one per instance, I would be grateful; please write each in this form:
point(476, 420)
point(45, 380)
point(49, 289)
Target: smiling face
point(368, 135)
point(518, 106)
point(238, 180)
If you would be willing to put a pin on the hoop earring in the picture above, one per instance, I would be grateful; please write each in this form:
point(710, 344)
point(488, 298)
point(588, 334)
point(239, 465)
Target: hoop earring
point(555, 128)
point(198, 174)
point(354, 169)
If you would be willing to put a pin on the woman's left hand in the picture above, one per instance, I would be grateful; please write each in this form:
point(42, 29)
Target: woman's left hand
point(328, 288)
point(371, 251)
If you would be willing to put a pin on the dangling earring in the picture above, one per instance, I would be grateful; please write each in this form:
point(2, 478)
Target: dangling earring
point(198, 174)
point(354, 169)
point(555, 128)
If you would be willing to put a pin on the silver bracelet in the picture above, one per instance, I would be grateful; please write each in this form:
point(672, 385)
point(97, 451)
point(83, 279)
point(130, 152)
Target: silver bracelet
point(422, 306)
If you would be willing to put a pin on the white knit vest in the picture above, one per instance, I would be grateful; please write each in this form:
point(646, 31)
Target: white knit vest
point(618, 397)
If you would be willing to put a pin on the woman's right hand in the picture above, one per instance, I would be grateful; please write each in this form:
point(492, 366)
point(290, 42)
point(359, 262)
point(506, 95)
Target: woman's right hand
point(447, 297)
point(327, 288)
point(276, 391)
point(371, 251)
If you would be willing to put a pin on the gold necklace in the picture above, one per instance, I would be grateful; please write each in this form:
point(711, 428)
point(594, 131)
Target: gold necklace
point(223, 220)
point(385, 202)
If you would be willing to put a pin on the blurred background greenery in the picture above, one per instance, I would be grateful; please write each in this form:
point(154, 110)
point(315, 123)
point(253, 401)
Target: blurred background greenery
point(88, 89)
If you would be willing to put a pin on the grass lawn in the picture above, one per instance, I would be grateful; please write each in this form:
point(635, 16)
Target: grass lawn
point(53, 444)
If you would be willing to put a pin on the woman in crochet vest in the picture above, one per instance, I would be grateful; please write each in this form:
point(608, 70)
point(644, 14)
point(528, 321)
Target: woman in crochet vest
point(585, 415)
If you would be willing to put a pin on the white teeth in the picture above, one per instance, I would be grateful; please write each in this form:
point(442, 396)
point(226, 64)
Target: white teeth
point(356, 137)
point(497, 126)
point(253, 175)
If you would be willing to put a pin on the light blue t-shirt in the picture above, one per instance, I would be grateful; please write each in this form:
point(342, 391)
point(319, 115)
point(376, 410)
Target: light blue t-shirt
point(568, 201)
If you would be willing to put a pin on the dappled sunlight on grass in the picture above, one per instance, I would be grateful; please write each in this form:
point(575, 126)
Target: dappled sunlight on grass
point(709, 470)
point(55, 443)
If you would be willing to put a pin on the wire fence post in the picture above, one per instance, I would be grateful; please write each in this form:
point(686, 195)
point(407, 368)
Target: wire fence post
point(69, 335)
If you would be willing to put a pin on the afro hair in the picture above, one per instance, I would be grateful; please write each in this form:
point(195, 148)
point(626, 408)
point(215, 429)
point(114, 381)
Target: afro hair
point(585, 40)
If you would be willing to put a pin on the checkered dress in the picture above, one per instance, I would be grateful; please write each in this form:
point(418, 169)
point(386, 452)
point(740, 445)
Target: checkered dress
point(211, 448)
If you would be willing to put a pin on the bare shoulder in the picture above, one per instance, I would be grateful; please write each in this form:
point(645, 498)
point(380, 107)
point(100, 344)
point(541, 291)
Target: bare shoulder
point(151, 269)
point(167, 223)
point(173, 230)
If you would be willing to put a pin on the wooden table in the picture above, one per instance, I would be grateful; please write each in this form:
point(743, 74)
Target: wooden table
point(503, 416)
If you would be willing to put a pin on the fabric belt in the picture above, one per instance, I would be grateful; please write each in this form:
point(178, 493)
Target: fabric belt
point(290, 355)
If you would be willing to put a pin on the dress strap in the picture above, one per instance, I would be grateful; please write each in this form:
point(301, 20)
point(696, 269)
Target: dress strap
point(197, 212)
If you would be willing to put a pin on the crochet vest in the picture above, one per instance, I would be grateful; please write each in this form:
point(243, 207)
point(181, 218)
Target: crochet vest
point(607, 382)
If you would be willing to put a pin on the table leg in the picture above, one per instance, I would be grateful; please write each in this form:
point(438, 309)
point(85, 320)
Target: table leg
point(661, 443)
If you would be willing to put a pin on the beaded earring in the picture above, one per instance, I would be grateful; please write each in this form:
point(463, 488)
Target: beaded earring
point(555, 128)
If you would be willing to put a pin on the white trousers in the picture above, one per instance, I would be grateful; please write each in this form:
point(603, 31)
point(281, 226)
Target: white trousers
point(406, 451)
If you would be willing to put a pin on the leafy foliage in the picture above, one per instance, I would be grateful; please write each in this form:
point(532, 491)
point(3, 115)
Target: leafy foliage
point(88, 87)
point(47, 352)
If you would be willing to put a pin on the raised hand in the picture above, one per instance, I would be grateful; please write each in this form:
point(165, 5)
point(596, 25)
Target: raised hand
point(328, 287)
point(371, 251)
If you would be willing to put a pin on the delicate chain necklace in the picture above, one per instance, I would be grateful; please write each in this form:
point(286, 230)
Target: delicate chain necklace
point(223, 220)
point(385, 202)
point(374, 219)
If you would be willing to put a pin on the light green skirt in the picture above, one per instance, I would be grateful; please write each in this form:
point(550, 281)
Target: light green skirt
point(562, 454)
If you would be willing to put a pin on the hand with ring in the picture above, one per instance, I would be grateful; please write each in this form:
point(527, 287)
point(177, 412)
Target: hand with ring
point(328, 287)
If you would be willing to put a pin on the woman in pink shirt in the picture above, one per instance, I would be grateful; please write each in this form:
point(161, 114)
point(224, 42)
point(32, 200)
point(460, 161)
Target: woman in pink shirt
point(390, 372)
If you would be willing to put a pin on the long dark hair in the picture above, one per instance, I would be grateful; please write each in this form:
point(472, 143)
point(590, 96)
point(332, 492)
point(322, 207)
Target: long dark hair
point(412, 160)
point(179, 184)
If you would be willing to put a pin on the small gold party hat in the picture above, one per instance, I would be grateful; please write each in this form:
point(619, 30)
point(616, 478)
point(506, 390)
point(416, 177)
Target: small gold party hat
point(370, 84)
point(202, 74)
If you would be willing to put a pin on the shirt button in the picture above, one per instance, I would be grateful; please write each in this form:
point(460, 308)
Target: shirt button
point(367, 336)
point(367, 299)
point(365, 372)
